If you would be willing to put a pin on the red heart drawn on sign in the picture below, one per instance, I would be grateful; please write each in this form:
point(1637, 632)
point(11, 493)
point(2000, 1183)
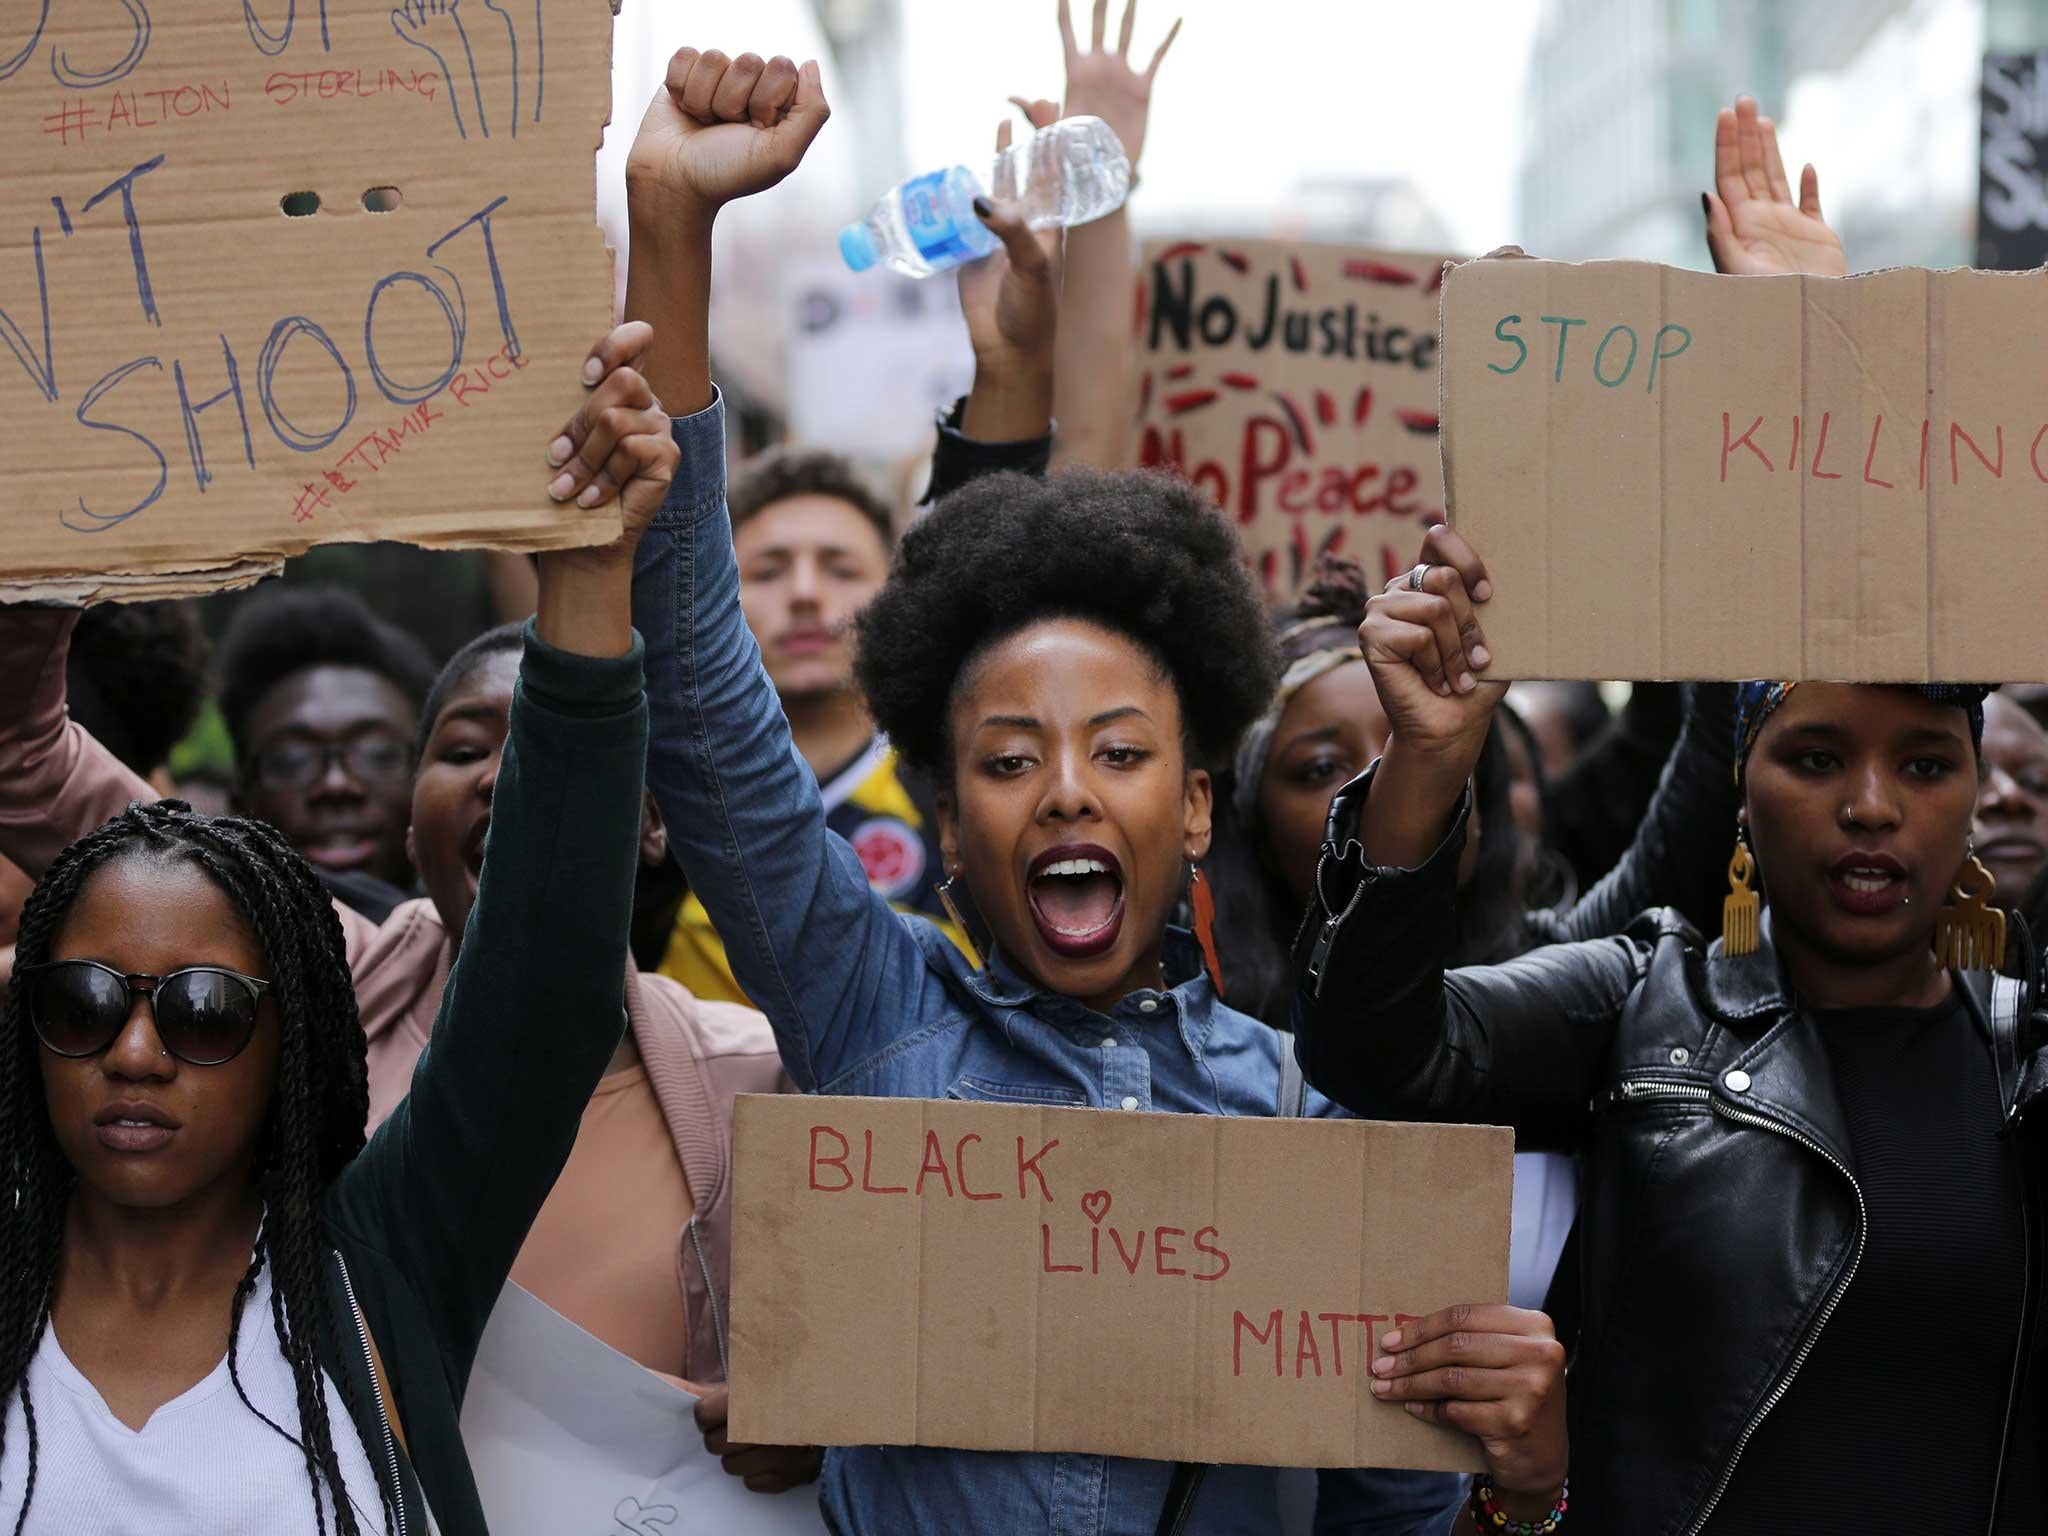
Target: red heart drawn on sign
point(1096, 1204)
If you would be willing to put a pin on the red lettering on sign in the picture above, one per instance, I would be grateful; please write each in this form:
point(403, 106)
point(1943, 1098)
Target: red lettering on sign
point(867, 1169)
point(1203, 1247)
point(1045, 1248)
point(1821, 447)
point(1744, 441)
point(838, 1162)
point(1305, 1350)
point(1870, 458)
point(934, 1162)
point(1955, 434)
point(1030, 1165)
point(1240, 1325)
point(1162, 1250)
point(960, 1163)
point(1130, 1259)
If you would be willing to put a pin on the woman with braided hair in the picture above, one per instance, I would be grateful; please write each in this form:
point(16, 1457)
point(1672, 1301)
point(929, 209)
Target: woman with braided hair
point(1323, 728)
point(220, 1309)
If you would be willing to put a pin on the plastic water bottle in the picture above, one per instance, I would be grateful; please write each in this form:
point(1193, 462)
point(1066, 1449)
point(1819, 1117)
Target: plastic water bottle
point(1067, 173)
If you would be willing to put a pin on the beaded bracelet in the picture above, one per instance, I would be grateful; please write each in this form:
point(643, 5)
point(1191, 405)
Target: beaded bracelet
point(1489, 1518)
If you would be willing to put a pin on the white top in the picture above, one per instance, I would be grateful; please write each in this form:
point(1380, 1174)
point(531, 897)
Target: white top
point(1546, 1200)
point(202, 1465)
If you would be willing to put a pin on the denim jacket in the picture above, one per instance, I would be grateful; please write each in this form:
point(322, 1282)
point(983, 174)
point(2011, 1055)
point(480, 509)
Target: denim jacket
point(865, 1000)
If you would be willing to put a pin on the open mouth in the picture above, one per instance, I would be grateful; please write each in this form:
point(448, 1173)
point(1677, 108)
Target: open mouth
point(473, 849)
point(1076, 894)
point(340, 848)
point(1868, 884)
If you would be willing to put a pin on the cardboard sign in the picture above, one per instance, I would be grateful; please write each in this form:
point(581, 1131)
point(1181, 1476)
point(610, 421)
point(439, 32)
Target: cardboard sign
point(288, 272)
point(1297, 385)
point(1678, 475)
point(1176, 1287)
point(874, 357)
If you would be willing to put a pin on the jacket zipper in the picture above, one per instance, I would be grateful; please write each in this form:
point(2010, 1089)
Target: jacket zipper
point(2019, 1349)
point(370, 1366)
point(1639, 1091)
point(711, 1294)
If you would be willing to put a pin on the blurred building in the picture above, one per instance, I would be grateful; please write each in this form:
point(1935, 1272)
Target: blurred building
point(1881, 95)
point(1390, 212)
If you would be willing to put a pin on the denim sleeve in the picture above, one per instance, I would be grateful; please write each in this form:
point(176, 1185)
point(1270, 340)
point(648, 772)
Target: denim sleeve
point(832, 966)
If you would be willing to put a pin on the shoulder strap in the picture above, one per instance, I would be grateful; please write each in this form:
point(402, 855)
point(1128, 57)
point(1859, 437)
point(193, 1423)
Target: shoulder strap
point(1181, 1491)
point(1293, 1100)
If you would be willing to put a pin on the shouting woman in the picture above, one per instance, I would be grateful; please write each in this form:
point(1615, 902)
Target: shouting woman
point(1066, 660)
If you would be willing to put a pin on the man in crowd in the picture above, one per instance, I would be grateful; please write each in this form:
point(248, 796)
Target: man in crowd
point(322, 701)
point(814, 545)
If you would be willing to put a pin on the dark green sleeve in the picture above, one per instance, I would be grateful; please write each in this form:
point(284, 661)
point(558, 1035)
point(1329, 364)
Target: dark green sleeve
point(534, 1008)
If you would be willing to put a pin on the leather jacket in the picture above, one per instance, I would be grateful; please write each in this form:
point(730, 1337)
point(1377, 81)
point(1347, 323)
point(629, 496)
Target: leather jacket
point(1719, 1222)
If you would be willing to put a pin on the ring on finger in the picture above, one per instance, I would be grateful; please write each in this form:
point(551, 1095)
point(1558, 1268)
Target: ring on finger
point(1418, 576)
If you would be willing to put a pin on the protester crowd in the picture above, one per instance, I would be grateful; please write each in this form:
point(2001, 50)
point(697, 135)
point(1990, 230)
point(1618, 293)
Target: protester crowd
point(1032, 801)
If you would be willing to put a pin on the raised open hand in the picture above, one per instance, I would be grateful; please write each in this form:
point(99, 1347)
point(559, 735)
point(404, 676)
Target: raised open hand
point(1011, 298)
point(721, 129)
point(1103, 84)
point(1754, 228)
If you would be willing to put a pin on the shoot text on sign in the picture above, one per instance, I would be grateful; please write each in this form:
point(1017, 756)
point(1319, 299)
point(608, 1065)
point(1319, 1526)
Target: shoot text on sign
point(258, 281)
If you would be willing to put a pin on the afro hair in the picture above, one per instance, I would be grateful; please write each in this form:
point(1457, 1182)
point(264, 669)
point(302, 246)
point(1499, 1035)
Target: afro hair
point(286, 629)
point(1136, 552)
point(136, 678)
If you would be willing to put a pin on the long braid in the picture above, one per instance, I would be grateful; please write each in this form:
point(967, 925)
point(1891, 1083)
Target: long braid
point(319, 1108)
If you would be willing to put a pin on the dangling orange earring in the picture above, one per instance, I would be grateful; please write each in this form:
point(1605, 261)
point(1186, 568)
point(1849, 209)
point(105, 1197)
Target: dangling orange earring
point(1741, 930)
point(1969, 933)
point(944, 891)
point(1203, 900)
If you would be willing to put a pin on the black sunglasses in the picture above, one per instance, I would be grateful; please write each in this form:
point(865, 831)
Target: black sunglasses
point(205, 1014)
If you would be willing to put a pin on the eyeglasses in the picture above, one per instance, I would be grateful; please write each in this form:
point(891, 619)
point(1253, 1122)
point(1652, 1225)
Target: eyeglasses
point(370, 760)
point(205, 1014)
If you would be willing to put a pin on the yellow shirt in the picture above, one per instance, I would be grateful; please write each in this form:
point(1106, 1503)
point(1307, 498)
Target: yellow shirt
point(897, 844)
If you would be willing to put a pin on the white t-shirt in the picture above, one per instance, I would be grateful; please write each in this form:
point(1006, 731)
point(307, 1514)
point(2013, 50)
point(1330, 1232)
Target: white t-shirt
point(202, 1465)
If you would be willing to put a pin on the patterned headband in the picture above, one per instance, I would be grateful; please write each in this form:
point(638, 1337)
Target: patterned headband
point(1756, 702)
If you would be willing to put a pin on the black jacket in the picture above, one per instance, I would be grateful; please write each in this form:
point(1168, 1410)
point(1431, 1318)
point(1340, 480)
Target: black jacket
point(1719, 1221)
point(425, 1223)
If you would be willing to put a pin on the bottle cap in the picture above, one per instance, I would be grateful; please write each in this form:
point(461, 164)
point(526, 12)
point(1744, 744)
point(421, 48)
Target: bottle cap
point(857, 246)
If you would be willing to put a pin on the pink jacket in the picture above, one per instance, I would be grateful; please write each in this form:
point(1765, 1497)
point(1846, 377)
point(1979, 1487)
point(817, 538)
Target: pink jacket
point(57, 784)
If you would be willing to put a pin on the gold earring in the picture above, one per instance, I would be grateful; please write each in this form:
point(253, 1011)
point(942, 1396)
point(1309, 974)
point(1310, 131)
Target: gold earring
point(944, 890)
point(1969, 933)
point(1741, 929)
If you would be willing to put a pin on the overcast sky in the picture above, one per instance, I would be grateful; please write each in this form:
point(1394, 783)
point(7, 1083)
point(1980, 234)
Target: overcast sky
point(1259, 95)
